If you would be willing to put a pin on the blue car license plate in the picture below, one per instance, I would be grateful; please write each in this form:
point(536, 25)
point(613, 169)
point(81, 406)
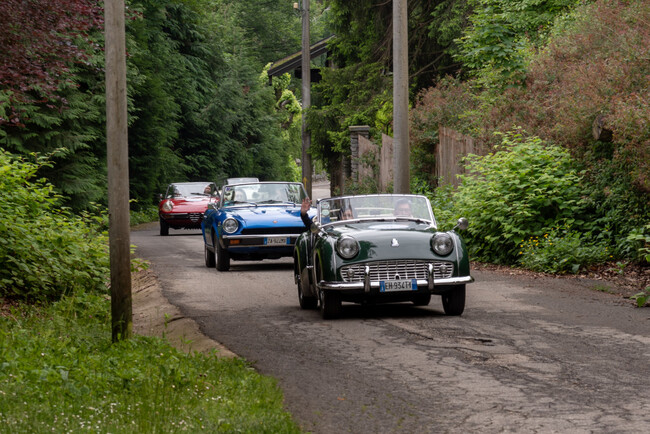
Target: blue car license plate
point(398, 285)
point(281, 241)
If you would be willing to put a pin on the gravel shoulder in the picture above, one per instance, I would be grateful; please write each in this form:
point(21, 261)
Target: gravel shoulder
point(154, 315)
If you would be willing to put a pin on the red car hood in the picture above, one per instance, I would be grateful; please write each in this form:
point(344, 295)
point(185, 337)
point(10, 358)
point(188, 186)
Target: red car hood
point(188, 204)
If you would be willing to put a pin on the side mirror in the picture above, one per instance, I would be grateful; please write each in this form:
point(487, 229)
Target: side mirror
point(160, 196)
point(315, 228)
point(462, 224)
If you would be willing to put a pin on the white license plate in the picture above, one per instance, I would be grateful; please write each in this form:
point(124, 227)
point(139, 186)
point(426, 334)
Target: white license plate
point(398, 285)
point(275, 241)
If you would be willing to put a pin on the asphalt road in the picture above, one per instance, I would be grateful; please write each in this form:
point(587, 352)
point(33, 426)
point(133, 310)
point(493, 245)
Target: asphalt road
point(527, 356)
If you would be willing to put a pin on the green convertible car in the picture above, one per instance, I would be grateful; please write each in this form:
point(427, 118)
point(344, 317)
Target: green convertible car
point(379, 248)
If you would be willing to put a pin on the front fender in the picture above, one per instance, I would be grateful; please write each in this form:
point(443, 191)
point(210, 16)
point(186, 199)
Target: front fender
point(325, 260)
point(301, 253)
point(209, 227)
point(302, 265)
point(462, 257)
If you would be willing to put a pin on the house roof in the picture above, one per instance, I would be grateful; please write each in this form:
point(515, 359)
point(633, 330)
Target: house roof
point(294, 61)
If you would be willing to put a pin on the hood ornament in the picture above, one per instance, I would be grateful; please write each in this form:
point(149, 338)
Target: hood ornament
point(394, 243)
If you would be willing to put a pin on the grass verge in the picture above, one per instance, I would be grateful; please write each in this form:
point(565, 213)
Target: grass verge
point(59, 372)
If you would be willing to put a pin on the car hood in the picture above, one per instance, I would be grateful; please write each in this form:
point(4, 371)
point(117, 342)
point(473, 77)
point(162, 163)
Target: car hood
point(189, 204)
point(388, 240)
point(382, 229)
point(264, 216)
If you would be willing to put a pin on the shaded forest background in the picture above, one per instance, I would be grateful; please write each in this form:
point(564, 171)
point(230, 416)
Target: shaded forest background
point(201, 106)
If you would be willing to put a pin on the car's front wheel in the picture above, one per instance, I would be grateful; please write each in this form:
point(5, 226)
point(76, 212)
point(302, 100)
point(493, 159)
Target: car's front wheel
point(164, 228)
point(330, 304)
point(306, 302)
point(209, 256)
point(453, 301)
point(221, 256)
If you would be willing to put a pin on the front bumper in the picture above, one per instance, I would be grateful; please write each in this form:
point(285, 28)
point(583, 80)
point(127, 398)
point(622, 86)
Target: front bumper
point(258, 241)
point(368, 286)
point(182, 220)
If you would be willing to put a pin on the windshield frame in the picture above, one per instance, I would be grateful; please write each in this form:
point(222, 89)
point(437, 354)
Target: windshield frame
point(227, 204)
point(181, 187)
point(355, 219)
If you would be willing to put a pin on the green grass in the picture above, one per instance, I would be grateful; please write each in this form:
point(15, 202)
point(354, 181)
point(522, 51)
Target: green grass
point(59, 372)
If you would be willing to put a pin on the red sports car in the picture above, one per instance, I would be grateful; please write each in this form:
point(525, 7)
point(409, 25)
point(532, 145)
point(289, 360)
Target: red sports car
point(184, 203)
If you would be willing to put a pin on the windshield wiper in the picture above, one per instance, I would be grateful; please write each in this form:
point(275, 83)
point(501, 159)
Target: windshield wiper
point(240, 202)
point(284, 202)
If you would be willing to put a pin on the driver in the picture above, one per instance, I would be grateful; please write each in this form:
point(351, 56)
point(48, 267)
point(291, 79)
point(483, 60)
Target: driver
point(347, 214)
point(403, 208)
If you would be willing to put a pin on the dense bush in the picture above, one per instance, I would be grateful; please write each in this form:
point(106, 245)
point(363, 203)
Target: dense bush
point(45, 251)
point(523, 189)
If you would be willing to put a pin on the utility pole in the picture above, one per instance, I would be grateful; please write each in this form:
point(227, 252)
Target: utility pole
point(306, 98)
point(118, 171)
point(401, 149)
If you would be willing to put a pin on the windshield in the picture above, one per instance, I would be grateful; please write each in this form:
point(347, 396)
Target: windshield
point(263, 193)
point(374, 207)
point(191, 189)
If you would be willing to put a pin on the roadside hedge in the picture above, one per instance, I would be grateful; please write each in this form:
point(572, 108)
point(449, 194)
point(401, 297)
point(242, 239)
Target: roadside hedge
point(523, 189)
point(45, 250)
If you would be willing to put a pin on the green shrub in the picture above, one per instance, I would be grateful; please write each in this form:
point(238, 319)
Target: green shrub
point(616, 205)
point(144, 215)
point(444, 208)
point(45, 250)
point(640, 239)
point(523, 189)
point(561, 251)
point(642, 297)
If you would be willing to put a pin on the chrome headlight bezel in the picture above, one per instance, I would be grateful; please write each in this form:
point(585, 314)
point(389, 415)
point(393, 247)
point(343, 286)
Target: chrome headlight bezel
point(230, 225)
point(347, 247)
point(442, 243)
point(168, 206)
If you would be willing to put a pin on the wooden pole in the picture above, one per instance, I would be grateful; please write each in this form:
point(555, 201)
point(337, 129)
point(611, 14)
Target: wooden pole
point(401, 149)
point(118, 171)
point(306, 99)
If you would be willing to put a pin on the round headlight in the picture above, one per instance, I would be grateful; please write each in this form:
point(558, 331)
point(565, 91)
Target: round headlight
point(230, 225)
point(442, 244)
point(347, 247)
point(167, 206)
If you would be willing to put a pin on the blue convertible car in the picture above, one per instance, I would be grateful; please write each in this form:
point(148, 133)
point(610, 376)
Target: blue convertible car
point(252, 221)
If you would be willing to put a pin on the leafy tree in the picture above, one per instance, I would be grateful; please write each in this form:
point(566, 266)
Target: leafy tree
point(200, 109)
point(197, 106)
point(54, 96)
point(40, 40)
point(501, 33)
point(358, 90)
point(271, 30)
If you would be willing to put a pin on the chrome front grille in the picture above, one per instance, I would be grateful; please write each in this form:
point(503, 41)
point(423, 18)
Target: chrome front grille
point(397, 270)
